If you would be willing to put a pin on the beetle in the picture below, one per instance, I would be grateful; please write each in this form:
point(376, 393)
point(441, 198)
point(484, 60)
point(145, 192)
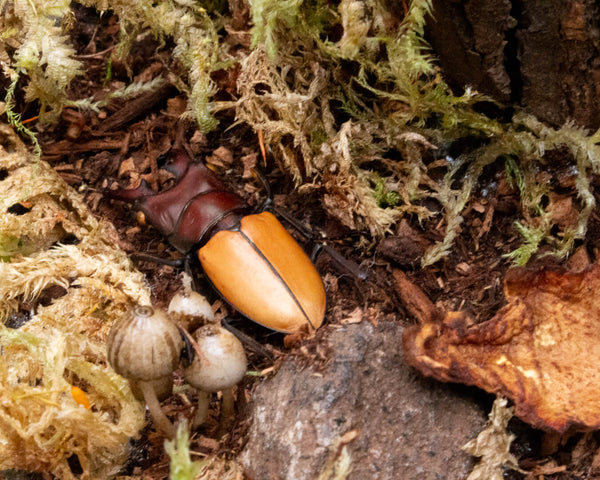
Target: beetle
point(250, 258)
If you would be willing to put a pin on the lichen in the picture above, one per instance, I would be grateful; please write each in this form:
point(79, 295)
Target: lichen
point(492, 445)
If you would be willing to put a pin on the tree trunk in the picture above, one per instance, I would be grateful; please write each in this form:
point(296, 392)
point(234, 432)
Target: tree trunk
point(540, 54)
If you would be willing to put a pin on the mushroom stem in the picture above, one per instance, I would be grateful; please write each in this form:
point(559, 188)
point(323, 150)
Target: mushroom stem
point(227, 405)
point(202, 409)
point(227, 411)
point(163, 387)
point(158, 416)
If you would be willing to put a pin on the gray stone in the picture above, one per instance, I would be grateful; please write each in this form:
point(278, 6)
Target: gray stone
point(408, 427)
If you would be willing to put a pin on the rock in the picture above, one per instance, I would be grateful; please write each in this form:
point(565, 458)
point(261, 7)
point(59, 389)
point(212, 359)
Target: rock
point(408, 427)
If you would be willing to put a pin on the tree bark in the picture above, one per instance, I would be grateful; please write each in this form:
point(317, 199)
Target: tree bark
point(540, 54)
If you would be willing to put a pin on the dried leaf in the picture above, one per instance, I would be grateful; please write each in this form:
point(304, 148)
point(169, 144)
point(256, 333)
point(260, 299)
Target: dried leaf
point(542, 350)
point(356, 316)
point(493, 445)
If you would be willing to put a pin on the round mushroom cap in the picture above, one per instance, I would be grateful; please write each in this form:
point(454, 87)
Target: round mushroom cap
point(221, 363)
point(144, 344)
point(191, 304)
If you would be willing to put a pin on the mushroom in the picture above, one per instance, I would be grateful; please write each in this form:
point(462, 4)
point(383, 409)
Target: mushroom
point(144, 346)
point(219, 364)
point(188, 307)
point(163, 387)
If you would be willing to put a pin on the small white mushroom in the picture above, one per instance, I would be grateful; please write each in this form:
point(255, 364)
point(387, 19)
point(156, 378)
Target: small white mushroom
point(187, 305)
point(191, 304)
point(219, 365)
point(144, 346)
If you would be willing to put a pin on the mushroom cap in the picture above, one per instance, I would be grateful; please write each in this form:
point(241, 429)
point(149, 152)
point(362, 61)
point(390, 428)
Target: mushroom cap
point(221, 363)
point(191, 304)
point(144, 344)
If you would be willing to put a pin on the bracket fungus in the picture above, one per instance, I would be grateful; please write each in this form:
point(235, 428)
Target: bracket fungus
point(144, 346)
point(542, 350)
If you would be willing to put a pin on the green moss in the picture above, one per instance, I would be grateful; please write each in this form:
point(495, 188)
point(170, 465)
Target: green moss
point(10, 246)
point(268, 15)
point(334, 87)
point(181, 467)
point(384, 197)
point(47, 60)
point(317, 137)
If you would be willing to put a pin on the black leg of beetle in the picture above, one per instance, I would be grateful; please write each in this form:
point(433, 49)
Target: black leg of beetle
point(188, 268)
point(347, 266)
point(344, 266)
point(187, 353)
point(305, 232)
point(248, 341)
point(265, 184)
point(270, 206)
point(144, 257)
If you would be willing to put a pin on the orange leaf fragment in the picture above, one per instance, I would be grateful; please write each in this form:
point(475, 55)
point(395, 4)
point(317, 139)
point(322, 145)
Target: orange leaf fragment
point(542, 350)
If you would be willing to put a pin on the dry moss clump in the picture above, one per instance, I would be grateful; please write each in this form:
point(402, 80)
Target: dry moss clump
point(57, 303)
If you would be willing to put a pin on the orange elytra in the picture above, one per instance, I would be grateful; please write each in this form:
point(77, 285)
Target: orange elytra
point(262, 271)
point(251, 259)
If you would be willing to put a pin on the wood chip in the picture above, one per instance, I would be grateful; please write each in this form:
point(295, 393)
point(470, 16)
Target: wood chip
point(413, 298)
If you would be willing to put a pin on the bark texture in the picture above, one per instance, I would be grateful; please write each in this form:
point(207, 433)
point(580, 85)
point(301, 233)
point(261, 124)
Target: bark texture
point(540, 54)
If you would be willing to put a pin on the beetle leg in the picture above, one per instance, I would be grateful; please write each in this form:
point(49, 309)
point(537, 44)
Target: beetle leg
point(265, 184)
point(345, 264)
point(268, 205)
point(248, 341)
point(145, 257)
point(193, 270)
point(304, 231)
point(188, 352)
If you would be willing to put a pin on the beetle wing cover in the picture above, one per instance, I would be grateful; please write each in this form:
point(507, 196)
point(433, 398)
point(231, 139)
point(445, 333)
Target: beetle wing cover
point(264, 273)
point(542, 350)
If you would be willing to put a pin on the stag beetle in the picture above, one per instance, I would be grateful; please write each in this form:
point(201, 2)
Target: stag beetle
point(250, 259)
